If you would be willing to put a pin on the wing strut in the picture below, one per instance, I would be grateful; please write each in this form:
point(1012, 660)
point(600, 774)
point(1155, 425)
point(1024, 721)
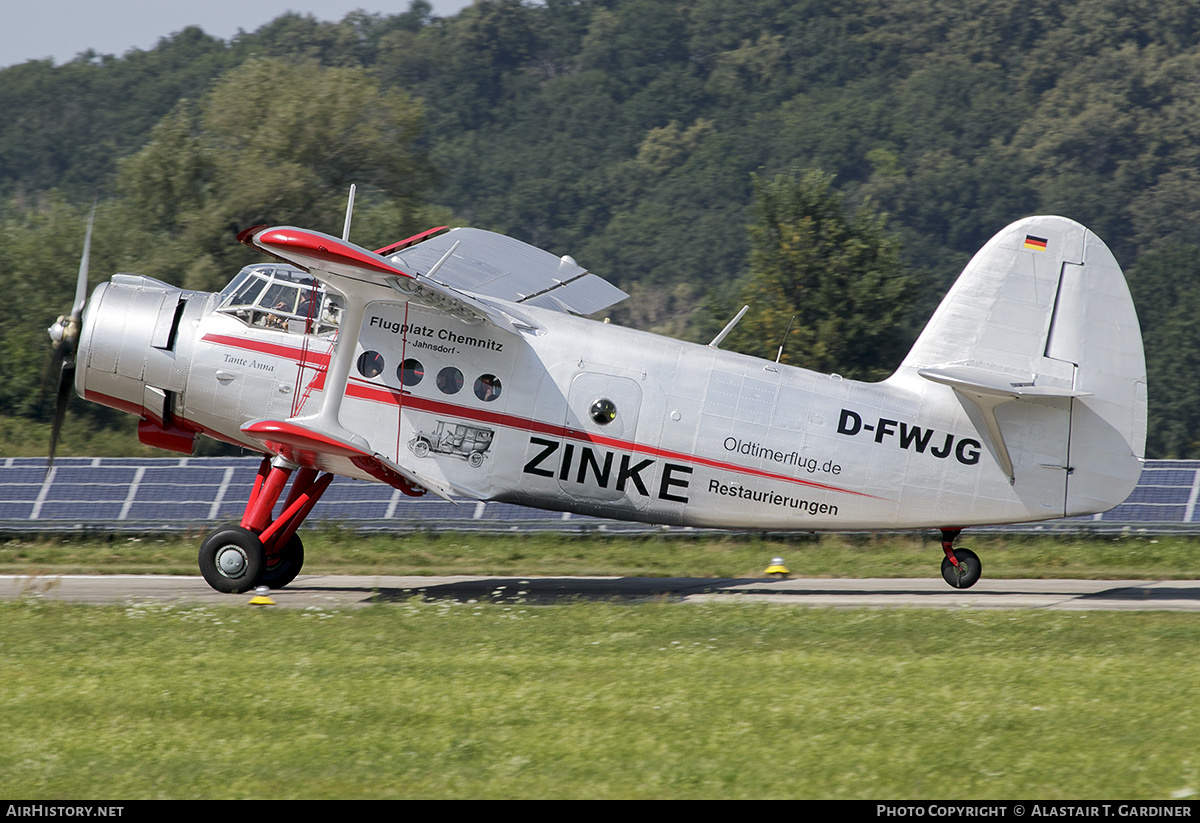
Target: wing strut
point(349, 213)
point(327, 417)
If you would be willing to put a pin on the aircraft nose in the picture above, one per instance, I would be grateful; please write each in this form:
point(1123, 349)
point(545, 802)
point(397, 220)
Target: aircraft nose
point(126, 347)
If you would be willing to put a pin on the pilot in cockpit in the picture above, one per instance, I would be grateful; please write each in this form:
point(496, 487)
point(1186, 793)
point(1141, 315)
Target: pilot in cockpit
point(283, 298)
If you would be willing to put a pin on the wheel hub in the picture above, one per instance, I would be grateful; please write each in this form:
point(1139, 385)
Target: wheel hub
point(231, 561)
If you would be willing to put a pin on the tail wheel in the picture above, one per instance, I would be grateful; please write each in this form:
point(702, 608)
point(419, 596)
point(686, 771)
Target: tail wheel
point(232, 559)
point(966, 573)
point(284, 570)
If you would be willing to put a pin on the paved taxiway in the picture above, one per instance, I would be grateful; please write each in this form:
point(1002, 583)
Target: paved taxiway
point(343, 591)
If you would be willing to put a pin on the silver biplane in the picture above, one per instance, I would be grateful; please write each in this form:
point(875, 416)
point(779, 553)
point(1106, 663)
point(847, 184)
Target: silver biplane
point(1023, 399)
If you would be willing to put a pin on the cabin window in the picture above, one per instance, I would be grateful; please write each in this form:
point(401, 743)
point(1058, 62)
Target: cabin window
point(370, 364)
point(410, 372)
point(450, 380)
point(603, 411)
point(487, 387)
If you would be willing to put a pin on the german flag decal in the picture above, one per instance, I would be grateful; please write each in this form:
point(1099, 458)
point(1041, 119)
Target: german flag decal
point(1035, 243)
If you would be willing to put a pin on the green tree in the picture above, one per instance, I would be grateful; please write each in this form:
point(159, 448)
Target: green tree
point(1166, 290)
point(839, 275)
point(66, 126)
point(272, 142)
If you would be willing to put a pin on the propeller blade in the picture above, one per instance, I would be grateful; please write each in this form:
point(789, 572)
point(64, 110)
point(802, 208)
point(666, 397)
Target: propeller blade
point(64, 335)
point(81, 285)
point(66, 381)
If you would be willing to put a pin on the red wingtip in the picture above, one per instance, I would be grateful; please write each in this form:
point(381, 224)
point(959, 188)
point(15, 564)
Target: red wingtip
point(246, 236)
point(323, 252)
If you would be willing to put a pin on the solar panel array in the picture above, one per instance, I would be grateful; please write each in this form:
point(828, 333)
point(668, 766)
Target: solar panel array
point(156, 494)
point(167, 494)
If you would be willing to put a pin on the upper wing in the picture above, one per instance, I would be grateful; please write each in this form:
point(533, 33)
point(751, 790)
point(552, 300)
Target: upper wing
point(487, 264)
point(348, 267)
point(455, 272)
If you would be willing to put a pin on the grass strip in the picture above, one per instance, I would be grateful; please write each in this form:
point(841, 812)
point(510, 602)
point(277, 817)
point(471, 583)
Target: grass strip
point(595, 700)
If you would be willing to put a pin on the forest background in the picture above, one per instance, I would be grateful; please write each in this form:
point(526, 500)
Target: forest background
point(670, 146)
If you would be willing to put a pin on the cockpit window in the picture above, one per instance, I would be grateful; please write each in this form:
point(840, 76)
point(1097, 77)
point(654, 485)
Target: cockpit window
point(235, 283)
point(281, 297)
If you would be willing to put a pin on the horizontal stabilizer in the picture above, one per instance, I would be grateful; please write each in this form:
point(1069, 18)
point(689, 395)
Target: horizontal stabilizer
point(970, 379)
point(985, 390)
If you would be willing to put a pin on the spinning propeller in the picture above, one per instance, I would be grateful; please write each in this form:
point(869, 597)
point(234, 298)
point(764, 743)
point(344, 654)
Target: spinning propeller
point(65, 336)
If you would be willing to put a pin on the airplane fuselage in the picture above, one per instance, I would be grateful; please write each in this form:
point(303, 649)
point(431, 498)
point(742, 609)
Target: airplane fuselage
point(696, 437)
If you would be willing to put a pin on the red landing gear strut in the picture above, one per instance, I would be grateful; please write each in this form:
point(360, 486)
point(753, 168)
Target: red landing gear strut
point(264, 550)
point(961, 567)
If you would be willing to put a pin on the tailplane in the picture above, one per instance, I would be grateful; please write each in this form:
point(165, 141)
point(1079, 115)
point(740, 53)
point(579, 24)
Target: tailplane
point(1039, 341)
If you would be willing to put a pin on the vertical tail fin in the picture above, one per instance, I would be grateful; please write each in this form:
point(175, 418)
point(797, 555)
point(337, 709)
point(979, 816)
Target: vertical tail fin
point(1042, 316)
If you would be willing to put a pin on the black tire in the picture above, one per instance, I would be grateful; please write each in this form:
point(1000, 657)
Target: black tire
point(968, 571)
point(232, 559)
point(284, 571)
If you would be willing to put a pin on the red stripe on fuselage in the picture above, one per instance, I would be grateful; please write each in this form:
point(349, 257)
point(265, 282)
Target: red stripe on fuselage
point(307, 357)
point(372, 392)
point(380, 394)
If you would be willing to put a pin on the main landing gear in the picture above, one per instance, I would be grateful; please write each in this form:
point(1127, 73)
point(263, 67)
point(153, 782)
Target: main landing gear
point(264, 550)
point(961, 567)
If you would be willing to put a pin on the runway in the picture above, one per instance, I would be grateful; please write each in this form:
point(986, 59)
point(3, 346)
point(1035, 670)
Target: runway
point(349, 591)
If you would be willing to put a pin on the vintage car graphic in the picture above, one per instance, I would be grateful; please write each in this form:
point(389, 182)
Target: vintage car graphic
point(457, 439)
